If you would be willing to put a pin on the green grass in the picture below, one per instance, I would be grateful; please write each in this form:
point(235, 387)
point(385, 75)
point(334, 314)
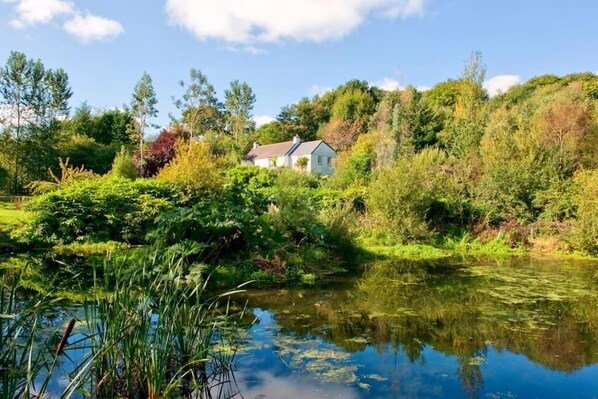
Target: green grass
point(499, 245)
point(407, 251)
point(11, 217)
point(90, 249)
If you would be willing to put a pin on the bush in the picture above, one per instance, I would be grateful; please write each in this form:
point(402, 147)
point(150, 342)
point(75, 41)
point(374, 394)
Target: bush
point(99, 210)
point(124, 166)
point(86, 152)
point(193, 168)
point(402, 198)
point(3, 179)
point(586, 201)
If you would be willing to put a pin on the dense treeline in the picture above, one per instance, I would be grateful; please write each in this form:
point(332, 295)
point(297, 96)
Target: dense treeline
point(449, 166)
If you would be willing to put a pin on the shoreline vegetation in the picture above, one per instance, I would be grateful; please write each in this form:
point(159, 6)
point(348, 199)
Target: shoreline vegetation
point(417, 173)
point(131, 227)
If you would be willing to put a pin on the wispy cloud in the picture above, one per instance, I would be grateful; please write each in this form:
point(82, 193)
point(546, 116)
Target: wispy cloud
point(36, 12)
point(266, 21)
point(262, 120)
point(317, 90)
point(88, 28)
point(500, 84)
point(253, 50)
point(388, 84)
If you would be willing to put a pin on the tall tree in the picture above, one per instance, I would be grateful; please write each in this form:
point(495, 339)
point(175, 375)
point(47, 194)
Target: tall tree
point(33, 98)
point(200, 109)
point(143, 107)
point(239, 104)
point(465, 131)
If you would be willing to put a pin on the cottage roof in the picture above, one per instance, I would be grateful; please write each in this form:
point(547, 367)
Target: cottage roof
point(307, 147)
point(281, 149)
point(270, 151)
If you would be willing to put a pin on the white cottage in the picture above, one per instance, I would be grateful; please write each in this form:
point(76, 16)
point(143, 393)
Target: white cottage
point(319, 155)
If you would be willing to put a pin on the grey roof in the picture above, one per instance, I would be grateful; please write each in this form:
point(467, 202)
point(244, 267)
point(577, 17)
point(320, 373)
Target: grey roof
point(282, 149)
point(307, 148)
point(270, 150)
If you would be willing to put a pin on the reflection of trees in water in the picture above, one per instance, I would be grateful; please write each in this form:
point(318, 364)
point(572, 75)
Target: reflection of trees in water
point(547, 312)
point(470, 373)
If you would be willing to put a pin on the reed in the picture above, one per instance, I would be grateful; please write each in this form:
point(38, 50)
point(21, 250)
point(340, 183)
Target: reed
point(155, 335)
point(149, 330)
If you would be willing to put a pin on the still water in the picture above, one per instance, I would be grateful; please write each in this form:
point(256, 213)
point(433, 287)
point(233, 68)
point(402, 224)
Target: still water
point(490, 329)
point(471, 328)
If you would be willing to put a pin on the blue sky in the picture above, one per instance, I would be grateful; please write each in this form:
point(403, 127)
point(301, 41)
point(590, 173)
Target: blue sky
point(288, 49)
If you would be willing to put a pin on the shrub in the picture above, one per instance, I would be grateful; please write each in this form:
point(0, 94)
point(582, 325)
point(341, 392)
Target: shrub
point(99, 210)
point(85, 151)
point(402, 198)
point(124, 166)
point(193, 168)
point(586, 201)
point(3, 179)
point(160, 153)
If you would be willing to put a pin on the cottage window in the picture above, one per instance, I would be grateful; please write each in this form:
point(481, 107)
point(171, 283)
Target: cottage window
point(329, 161)
point(319, 160)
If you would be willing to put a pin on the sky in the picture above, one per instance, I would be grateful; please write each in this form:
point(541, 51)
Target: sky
point(289, 49)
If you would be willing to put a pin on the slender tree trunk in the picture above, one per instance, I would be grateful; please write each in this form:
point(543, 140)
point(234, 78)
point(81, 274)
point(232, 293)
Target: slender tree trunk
point(15, 187)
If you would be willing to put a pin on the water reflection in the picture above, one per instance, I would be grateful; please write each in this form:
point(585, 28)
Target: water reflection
point(457, 328)
point(454, 328)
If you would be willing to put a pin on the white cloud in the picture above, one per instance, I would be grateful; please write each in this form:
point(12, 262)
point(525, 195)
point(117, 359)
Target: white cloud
point(262, 120)
point(34, 12)
point(89, 27)
point(388, 84)
point(253, 50)
point(317, 90)
point(423, 88)
point(500, 84)
point(86, 27)
point(264, 21)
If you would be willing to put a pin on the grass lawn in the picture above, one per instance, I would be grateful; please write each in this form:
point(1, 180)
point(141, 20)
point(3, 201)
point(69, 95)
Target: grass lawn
point(11, 217)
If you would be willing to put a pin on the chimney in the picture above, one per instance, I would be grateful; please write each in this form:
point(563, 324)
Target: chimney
point(296, 139)
point(255, 145)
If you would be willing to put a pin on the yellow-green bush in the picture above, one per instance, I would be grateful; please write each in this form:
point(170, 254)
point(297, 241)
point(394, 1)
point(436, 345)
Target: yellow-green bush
point(586, 200)
point(194, 168)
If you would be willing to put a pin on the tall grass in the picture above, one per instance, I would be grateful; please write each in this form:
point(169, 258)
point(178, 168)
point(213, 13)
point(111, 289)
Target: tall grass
point(23, 358)
point(150, 331)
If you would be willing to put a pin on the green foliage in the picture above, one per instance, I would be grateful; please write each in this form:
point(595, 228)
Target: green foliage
point(586, 201)
point(194, 168)
point(353, 105)
point(402, 199)
point(200, 110)
point(239, 104)
point(4, 178)
point(124, 166)
point(99, 210)
point(273, 132)
point(302, 163)
point(355, 166)
point(104, 127)
point(37, 98)
point(85, 151)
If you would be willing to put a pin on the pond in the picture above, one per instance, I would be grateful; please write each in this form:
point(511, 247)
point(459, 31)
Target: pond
point(457, 327)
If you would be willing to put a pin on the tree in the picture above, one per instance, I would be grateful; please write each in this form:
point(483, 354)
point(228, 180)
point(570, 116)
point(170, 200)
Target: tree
point(34, 98)
point(143, 107)
point(303, 119)
point(465, 131)
point(414, 126)
point(239, 104)
point(200, 109)
point(272, 132)
point(161, 152)
point(123, 166)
